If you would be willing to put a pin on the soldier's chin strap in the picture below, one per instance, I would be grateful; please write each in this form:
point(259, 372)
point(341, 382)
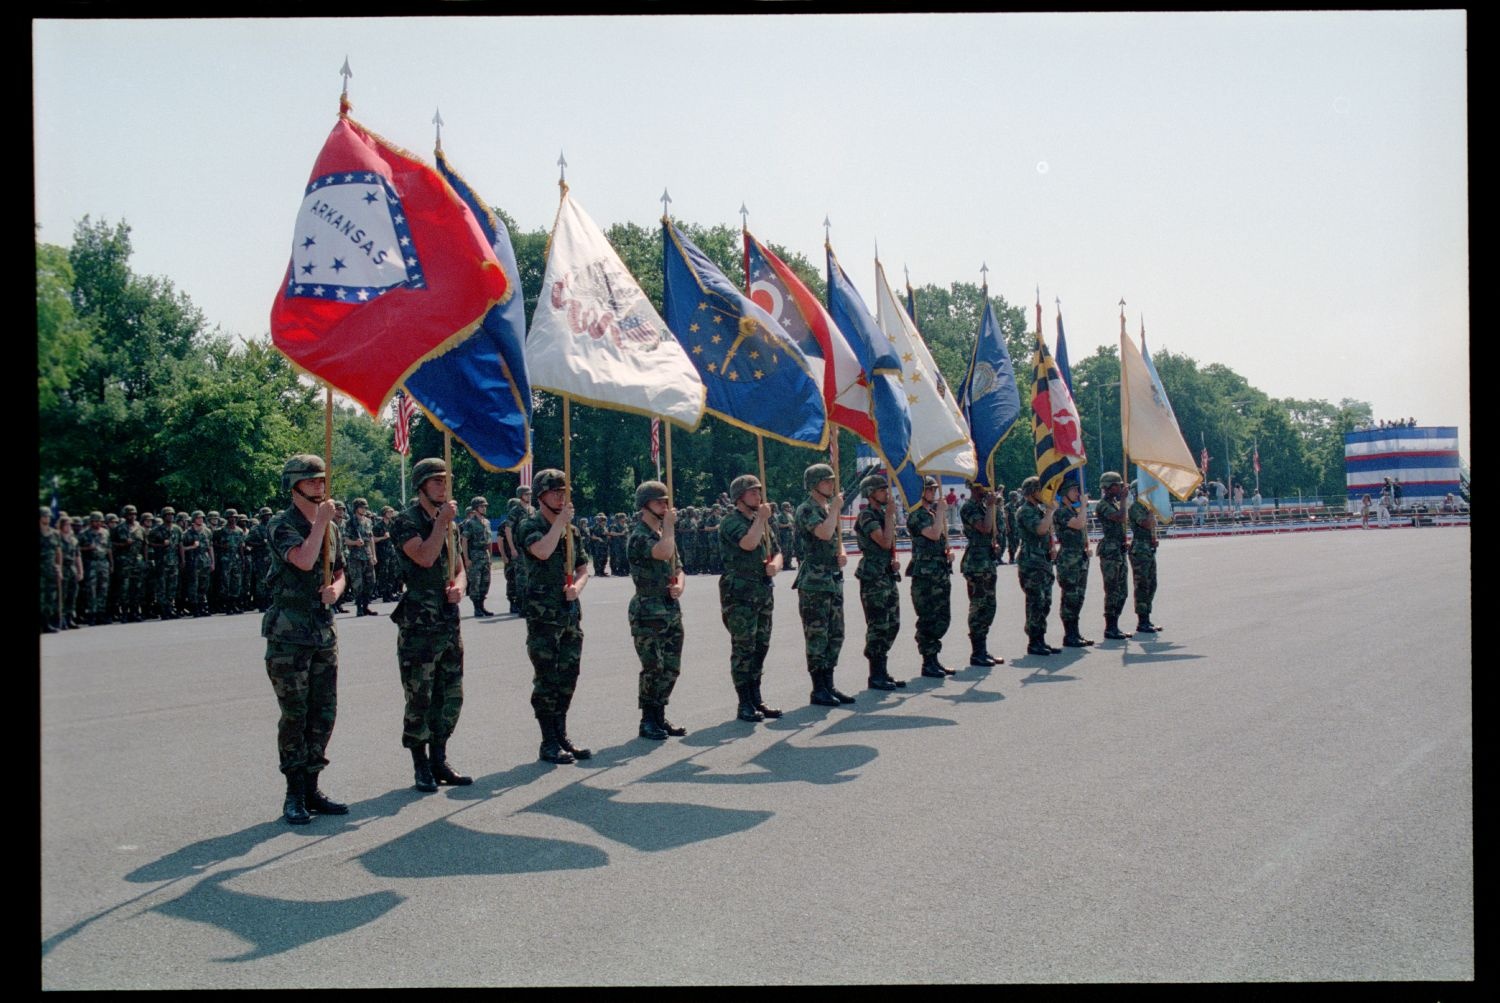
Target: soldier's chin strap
point(297, 490)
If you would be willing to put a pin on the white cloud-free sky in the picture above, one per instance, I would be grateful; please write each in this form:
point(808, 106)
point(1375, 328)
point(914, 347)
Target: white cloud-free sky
point(1285, 193)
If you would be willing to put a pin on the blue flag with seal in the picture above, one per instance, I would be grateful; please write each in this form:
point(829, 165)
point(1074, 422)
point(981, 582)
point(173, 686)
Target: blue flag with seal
point(479, 390)
point(877, 355)
point(756, 376)
point(988, 396)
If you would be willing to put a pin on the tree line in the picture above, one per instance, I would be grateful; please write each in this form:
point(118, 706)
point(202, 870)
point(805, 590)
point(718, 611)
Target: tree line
point(140, 401)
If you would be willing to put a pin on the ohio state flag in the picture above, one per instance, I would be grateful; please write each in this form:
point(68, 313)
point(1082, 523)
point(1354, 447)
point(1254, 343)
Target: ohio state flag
point(388, 267)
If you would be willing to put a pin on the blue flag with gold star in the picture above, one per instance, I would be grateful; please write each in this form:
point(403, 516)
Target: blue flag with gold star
point(756, 376)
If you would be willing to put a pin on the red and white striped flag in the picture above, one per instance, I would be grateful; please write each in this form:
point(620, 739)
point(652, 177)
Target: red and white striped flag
point(403, 407)
point(525, 474)
point(656, 442)
point(1257, 458)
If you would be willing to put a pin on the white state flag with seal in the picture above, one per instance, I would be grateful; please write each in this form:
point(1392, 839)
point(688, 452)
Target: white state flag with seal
point(940, 441)
point(595, 336)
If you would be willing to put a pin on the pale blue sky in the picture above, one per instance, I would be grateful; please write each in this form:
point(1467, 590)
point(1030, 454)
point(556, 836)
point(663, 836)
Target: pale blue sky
point(1283, 193)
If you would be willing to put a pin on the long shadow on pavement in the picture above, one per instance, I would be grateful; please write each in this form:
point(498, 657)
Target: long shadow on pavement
point(778, 764)
point(647, 826)
point(444, 849)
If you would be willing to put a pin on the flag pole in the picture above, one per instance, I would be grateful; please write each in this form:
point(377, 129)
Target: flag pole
point(760, 442)
point(1124, 456)
point(452, 530)
point(668, 426)
point(568, 491)
point(328, 472)
point(403, 477)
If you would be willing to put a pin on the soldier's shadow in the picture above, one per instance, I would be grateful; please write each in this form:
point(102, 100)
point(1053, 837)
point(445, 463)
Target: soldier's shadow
point(776, 764)
point(442, 849)
point(647, 826)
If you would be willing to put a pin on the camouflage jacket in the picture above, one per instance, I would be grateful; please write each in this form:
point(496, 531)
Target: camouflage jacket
point(1072, 544)
point(874, 560)
point(51, 552)
point(476, 538)
point(819, 570)
point(979, 555)
point(200, 556)
point(128, 541)
point(1036, 548)
point(545, 580)
point(929, 558)
point(1113, 544)
point(1142, 538)
point(296, 614)
point(744, 570)
point(69, 544)
point(94, 544)
point(650, 575)
point(357, 534)
point(425, 605)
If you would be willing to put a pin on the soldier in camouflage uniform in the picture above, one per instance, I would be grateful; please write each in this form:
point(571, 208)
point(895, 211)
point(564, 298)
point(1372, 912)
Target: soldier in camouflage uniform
point(129, 541)
point(112, 604)
point(786, 533)
point(1072, 521)
point(428, 645)
point(93, 544)
point(51, 573)
point(619, 562)
point(72, 569)
point(197, 565)
point(709, 552)
point(302, 655)
point(655, 615)
point(1004, 519)
point(341, 546)
point(258, 556)
point(166, 542)
point(517, 511)
point(930, 571)
point(153, 568)
point(387, 567)
point(232, 574)
point(879, 577)
point(1034, 520)
point(681, 533)
point(752, 559)
point(597, 537)
point(1143, 563)
point(357, 539)
point(1013, 538)
point(820, 582)
point(980, 517)
point(554, 617)
point(476, 534)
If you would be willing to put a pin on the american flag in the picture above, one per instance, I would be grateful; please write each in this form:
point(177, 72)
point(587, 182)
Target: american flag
point(402, 409)
point(1257, 458)
point(526, 474)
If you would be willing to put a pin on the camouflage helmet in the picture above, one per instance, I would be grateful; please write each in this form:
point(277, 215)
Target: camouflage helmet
point(148, 516)
point(649, 491)
point(96, 516)
point(601, 517)
point(337, 504)
point(817, 474)
point(620, 516)
point(198, 513)
point(302, 467)
point(743, 483)
point(1109, 479)
point(425, 470)
point(523, 489)
point(872, 484)
point(167, 510)
point(1030, 486)
point(265, 510)
point(111, 518)
point(358, 504)
point(43, 512)
point(213, 513)
point(128, 510)
point(478, 500)
point(930, 481)
point(550, 479)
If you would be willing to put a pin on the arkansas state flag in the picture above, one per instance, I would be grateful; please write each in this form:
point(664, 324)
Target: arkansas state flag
point(388, 267)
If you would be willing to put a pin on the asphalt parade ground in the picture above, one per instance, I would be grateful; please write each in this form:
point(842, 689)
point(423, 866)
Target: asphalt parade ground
point(1278, 787)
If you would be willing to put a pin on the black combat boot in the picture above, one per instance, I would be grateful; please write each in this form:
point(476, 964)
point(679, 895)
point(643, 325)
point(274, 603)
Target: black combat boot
point(46, 624)
point(822, 695)
point(1038, 646)
point(879, 678)
point(668, 726)
point(294, 809)
point(769, 713)
point(747, 710)
point(551, 750)
point(442, 771)
point(561, 723)
point(1145, 626)
point(841, 696)
point(649, 726)
point(1072, 638)
point(423, 780)
point(931, 669)
point(979, 652)
point(1112, 631)
point(316, 801)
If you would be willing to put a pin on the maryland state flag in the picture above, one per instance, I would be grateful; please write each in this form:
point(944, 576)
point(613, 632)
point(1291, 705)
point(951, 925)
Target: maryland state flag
point(1054, 422)
point(388, 268)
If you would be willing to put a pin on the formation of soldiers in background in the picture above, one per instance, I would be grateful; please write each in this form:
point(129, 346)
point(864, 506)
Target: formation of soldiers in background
point(111, 568)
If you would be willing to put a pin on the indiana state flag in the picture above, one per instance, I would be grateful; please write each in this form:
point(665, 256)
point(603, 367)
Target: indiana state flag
point(1054, 422)
point(388, 268)
point(757, 377)
point(988, 398)
point(478, 389)
point(876, 352)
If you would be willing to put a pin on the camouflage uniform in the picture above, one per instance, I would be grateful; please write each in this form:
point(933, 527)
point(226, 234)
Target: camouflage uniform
point(598, 543)
point(197, 564)
point(1013, 534)
point(301, 648)
point(229, 552)
point(476, 533)
point(258, 559)
point(68, 540)
point(1034, 568)
point(978, 568)
point(879, 586)
point(1072, 568)
point(93, 542)
point(516, 512)
point(820, 597)
point(619, 561)
point(554, 624)
point(1112, 560)
point(387, 566)
point(166, 542)
point(786, 536)
point(361, 570)
point(930, 571)
point(682, 533)
point(655, 618)
point(129, 541)
point(428, 645)
point(745, 598)
point(50, 576)
point(1142, 560)
point(711, 557)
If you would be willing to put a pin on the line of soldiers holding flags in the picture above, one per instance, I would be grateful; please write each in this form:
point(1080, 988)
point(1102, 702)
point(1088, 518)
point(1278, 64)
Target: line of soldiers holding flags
point(550, 569)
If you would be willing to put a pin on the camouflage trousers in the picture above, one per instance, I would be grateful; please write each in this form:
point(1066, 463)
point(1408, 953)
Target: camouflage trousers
point(132, 575)
point(70, 595)
point(931, 597)
point(387, 581)
point(1143, 569)
point(512, 586)
point(166, 587)
point(305, 680)
point(432, 674)
point(1115, 572)
point(881, 600)
point(822, 628)
point(96, 586)
point(749, 625)
point(232, 582)
point(194, 584)
point(479, 577)
point(1037, 584)
point(149, 584)
point(981, 602)
point(656, 628)
point(599, 554)
point(361, 585)
point(555, 646)
point(50, 597)
point(1072, 582)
